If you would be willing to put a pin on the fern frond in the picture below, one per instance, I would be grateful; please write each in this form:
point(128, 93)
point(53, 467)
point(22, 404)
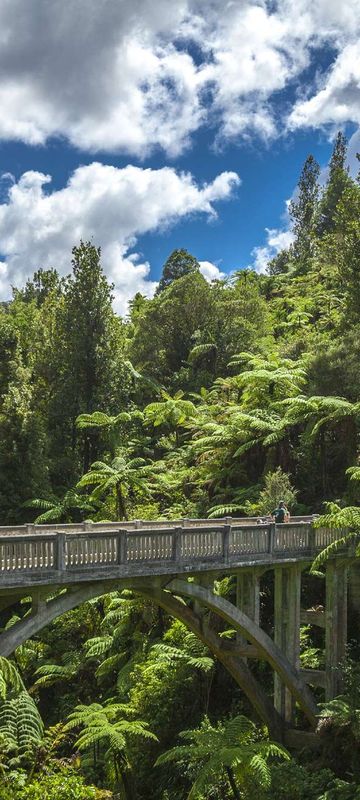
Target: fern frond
point(96, 420)
point(20, 722)
point(224, 511)
point(332, 549)
point(52, 673)
point(98, 646)
point(10, 676)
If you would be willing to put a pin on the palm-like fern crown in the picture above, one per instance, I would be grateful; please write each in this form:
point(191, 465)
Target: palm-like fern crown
point(107, 725)
point(267, 379)
point(232, 745)
point(173, 411)
point(60, 510)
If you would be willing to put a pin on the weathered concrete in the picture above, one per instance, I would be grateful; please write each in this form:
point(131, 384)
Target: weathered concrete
point(268, 650)
point(335, 625)
point(77, 563)
point(287, 632)
point(223, 651)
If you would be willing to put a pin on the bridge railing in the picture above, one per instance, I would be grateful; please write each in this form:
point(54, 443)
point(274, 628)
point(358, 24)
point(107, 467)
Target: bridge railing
point(173, 547)
point(136, 524)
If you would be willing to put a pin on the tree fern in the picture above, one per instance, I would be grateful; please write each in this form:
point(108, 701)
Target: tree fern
point(61, 510)
point(231, 749)
point(21, 726)
point(108, 727)
point(98, 646)
point(10, 679)
point(55, 673)
point(167, 654)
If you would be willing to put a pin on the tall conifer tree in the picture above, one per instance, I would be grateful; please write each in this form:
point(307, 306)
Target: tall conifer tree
point(338, 182)
point(303, 213)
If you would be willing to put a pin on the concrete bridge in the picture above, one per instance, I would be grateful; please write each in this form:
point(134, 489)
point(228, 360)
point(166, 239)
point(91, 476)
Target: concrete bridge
point(175, 565)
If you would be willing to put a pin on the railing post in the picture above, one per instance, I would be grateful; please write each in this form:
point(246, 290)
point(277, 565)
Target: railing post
point(122, 547)
point(272, 531)
point(311, 539)
point(176, 545)
point(226, 541)
point(60, 557)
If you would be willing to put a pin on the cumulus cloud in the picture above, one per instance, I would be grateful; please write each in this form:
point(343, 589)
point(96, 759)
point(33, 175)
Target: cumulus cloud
point(338, 101)
point(112, 206)
point(210, 271)
point(277, 240)
point(121, 76)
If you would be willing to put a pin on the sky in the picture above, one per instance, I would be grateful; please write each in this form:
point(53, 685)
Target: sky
point(150, 125)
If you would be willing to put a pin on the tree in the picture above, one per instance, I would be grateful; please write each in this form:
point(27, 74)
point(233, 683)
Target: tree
point(43, 283)
point(165, 331)
point(87, 364)
point(20, 722)
point(303, 211)
point(62, 510)
point(107, 726)
point(179, 263)
point(229, 750)
point(342, 248)
point(277, 487)
point(23, 444)
point(120, 477)
point(171, 412)
point(338, 181)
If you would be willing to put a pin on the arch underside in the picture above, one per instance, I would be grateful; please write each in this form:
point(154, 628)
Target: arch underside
point(171, 597)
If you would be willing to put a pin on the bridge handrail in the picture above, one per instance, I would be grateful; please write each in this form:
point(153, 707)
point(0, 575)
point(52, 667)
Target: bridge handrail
point(173, 547)
point(31, 529)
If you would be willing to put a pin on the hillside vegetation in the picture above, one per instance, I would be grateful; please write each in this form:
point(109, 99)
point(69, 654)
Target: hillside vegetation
point(209, 399)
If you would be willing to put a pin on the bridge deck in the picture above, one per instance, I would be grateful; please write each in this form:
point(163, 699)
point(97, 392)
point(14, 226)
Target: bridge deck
point(66, 554)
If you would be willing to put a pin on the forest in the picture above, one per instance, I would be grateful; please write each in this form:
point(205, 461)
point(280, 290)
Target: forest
point(208, 400)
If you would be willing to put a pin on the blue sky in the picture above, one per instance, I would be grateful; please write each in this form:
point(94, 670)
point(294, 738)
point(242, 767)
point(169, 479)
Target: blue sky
point(148, 126)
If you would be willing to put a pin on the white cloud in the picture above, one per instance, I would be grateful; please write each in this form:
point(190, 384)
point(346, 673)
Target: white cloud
point(109, 205)
point(277, 240)
point(121, 76)
point(210, 271)
point(353, 149)
point(338, 101)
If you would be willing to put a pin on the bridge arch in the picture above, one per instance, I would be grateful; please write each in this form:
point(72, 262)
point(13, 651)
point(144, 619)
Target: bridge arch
point(169, 595)
point(267, 649)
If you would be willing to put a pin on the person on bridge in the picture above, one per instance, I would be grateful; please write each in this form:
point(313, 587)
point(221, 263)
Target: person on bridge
point(280, 514)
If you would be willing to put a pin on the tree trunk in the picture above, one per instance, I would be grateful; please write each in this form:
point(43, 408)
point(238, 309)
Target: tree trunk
point(232, 782)
point(120, 503)
point(323, 464)
point(354, 591)
point(128, 785)
point(86, 454)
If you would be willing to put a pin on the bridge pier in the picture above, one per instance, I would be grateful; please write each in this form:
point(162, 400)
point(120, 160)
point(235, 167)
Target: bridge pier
point(287, 631)
point(335, 626)
point(248, 593)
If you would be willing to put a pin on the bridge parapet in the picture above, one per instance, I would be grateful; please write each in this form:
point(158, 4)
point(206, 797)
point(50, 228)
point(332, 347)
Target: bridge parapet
point(44, 554)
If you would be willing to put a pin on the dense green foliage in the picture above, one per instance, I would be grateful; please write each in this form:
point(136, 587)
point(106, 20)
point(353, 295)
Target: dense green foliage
point(207, 400)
